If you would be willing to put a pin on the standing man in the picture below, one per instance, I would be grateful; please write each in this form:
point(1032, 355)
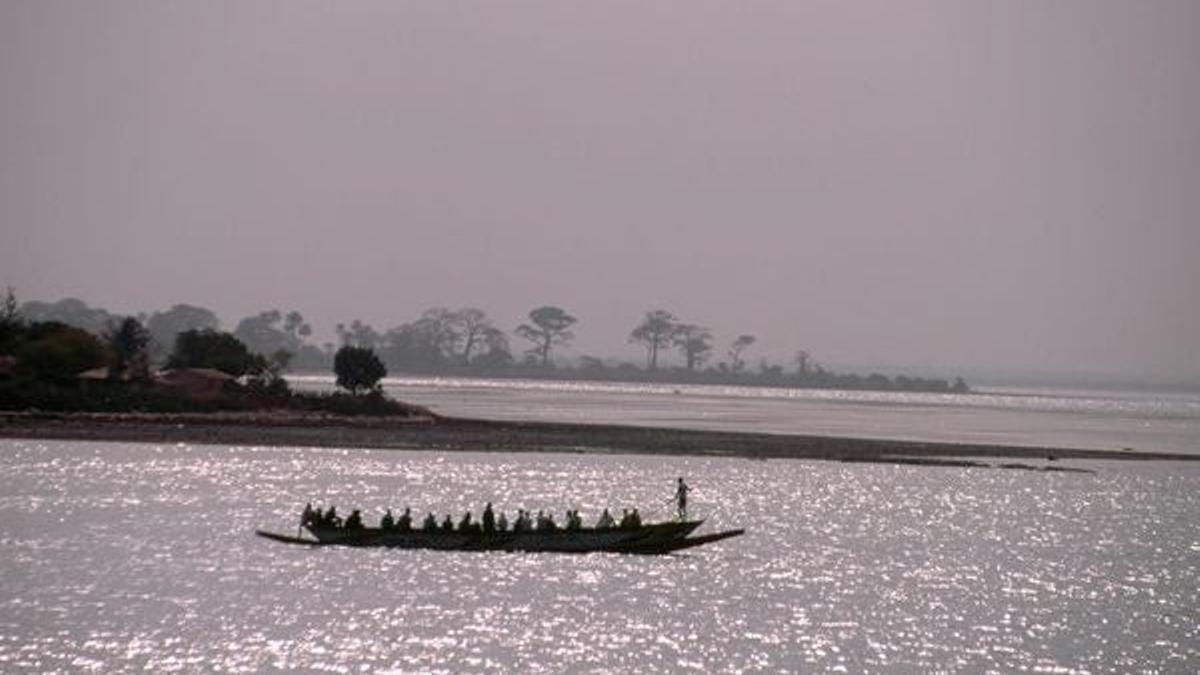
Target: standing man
point(681, 493)
point(489, 519)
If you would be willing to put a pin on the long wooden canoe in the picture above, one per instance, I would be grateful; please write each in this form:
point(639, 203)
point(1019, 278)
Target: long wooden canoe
point(647, 539)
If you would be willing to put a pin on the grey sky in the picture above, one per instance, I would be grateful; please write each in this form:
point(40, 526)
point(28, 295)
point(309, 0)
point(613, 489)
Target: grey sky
point(946, 184)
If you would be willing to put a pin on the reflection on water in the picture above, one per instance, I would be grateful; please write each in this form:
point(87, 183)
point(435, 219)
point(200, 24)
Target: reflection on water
point(127, 557)
point(1166, 422)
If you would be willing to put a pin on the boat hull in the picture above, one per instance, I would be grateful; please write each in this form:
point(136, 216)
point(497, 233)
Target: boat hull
point(649, 539)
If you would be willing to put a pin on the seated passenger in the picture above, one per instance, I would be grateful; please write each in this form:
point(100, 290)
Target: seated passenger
point(430, 522)
point(522, 524)
point(574, 522)
point(635, 518)
point(626, 519)
point(464, 525)
point(502, 523)
point(387, 522)
point(606, 521)
point(331, 518)
point(404, 523)
point(545, 522)
point(354, 522)
point(448, 524)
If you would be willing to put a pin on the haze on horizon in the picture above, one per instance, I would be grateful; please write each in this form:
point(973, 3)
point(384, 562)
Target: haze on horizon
point(1009, 186)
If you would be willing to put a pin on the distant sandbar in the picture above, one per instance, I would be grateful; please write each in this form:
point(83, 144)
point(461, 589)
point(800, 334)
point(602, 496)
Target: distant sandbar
point(459, 434)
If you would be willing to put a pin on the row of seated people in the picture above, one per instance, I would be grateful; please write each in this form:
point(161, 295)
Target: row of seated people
point(489, 523)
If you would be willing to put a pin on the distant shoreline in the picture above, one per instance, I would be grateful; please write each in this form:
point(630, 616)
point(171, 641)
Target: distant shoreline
point(460, 434)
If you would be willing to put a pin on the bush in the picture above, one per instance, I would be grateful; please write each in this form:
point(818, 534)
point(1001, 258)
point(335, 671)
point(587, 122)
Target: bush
point(374, 403)
point(358, 369)
point(56, 351)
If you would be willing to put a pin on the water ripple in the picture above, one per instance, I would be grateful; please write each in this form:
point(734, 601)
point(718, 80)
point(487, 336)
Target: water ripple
point(122, 558)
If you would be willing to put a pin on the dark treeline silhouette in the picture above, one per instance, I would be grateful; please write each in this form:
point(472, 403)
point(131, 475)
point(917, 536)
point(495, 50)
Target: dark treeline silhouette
point(467, 342)
point(118, 364)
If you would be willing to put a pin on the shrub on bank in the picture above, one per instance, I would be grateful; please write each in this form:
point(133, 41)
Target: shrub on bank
point(374, 403)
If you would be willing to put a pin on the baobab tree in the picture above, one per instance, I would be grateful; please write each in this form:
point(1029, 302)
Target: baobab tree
point(474, 328)
point(548, 326)
point(655, 332)
point(440, 332)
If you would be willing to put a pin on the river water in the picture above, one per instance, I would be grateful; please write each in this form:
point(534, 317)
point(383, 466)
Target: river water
point(1094, 419)
point(134, 557)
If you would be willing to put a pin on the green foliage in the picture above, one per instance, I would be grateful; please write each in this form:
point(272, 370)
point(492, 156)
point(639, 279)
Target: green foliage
point(213, 349)
point(358, 369)
point(266, 375)
point(57, 351)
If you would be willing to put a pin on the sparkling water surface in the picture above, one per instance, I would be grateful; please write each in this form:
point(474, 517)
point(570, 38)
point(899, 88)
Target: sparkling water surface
point(134, 557)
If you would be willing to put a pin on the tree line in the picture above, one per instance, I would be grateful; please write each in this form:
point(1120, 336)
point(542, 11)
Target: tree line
point(468, 342)
point(49, 364)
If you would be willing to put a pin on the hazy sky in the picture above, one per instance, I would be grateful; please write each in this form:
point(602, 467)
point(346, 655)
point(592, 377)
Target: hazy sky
point(1011, 185)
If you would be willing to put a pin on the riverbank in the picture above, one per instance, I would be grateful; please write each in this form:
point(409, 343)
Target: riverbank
point(456, 434)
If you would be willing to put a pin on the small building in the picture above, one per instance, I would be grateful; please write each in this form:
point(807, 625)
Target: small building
point(96, 374)
point(198, 383)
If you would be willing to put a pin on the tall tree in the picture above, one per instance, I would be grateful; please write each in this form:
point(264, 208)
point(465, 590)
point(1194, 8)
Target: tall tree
point(10, 310)
point(695, 342)
point(12, 324)
point(358, 334)
point(740, 345)
point(473, 328)
point(804, 363)
point(405, 348)
point(208, 348)
point(71, 311)
point(655, 332)
point(164, 326)
point(440, 330)
point(548, 326)
point(267, 332)
point(295, 326)
point(494, 351)
point(129, 343)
